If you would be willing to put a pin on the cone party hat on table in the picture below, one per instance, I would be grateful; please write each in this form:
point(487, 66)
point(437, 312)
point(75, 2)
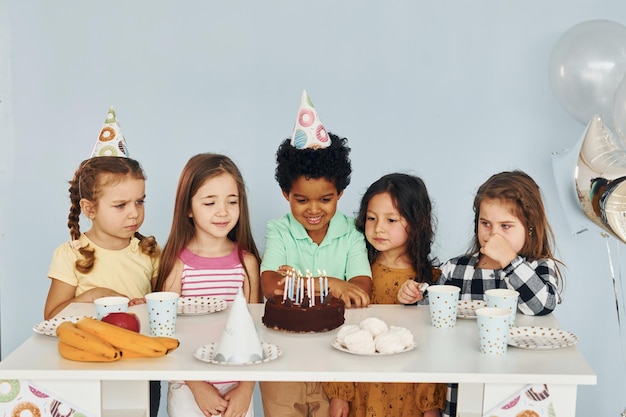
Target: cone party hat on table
point(111, 140)
point(240, 341)
point(309, 132)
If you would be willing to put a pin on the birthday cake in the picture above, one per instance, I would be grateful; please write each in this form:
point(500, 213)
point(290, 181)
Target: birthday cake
point(291, 317)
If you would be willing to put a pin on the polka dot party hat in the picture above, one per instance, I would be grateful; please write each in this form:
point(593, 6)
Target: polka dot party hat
point(309, 132)
point(111, 141)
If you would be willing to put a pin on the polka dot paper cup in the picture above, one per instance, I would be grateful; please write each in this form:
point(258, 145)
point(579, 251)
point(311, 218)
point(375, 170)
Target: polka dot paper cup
point(106, 305)
point(503, 298)
point(444, 302)
point(493, 330)
point(162, 311)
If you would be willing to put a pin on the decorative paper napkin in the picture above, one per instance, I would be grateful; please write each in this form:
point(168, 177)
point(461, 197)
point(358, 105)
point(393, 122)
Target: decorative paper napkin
point(530, 401)
point(23, 398)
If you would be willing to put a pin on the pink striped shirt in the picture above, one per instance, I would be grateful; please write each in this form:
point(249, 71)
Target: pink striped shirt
point(211, 277)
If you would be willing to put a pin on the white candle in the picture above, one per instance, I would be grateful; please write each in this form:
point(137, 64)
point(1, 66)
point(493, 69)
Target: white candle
point(312, 291)
point(325, 286)
point(298, 290)
point(286, 288)
point(321, 291)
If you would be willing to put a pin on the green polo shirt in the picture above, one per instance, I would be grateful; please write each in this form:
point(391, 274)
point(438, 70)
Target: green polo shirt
point(341, 254)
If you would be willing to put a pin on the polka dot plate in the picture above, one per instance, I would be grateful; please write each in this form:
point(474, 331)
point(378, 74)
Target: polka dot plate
point(339, 346)
point(467, 308)
point(206, 353)
point(540, 338)
point(49, 327)
point(200, 305)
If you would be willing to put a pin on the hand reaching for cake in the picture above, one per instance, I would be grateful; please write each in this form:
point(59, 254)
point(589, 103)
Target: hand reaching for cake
point(352, 293)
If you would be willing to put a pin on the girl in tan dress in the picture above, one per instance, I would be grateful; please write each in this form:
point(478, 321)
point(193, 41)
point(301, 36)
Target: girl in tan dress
point(396, 218)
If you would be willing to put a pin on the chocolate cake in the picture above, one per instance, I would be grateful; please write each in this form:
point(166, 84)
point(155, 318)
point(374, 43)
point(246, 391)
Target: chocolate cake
point(291, 317)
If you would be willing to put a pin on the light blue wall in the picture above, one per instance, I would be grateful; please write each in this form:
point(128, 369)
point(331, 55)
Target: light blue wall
point(451, 90)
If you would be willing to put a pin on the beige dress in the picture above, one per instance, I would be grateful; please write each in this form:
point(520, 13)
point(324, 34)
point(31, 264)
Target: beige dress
point(381, 399)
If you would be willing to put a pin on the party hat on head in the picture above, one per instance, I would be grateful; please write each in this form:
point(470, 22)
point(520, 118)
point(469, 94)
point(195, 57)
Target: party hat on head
point(111, 141)
point(240, 342)
point(309, 132)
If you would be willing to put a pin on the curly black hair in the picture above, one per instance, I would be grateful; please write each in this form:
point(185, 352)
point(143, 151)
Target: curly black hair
point(331, 163)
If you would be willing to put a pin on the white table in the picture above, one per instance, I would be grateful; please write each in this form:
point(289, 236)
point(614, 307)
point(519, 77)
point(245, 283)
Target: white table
point(440, 356)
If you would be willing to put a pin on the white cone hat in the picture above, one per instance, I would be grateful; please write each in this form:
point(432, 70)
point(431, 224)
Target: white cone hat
point(240, 341)
point(111, 141)
point(309, 132)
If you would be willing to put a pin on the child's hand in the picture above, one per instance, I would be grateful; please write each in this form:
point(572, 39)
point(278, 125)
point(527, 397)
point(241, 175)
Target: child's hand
point(499, 249)
point(136, 301)
point(410, 293)
point(284, 270)
point(207, 397)
point(281, 274)
point(239, 400)
point(339, 407)
point(348, 292)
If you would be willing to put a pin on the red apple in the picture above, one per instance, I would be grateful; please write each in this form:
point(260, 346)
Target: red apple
point(128, 321)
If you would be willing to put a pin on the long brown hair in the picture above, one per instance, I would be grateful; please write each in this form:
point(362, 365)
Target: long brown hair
point(90, 178)
point(523, 196)
point(410, 198)
point(197, 170)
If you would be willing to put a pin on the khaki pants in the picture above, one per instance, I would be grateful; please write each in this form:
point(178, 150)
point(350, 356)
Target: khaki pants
point(294, 399)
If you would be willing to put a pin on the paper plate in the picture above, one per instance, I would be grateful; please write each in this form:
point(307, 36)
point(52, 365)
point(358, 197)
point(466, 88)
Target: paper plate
point(467, 308)
point(200, 305)
point(49, 327)
point(337, 345)
point(540, 338)
point(205, 353)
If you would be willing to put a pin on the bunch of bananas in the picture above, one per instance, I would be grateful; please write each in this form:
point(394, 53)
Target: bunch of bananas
point(91, 340)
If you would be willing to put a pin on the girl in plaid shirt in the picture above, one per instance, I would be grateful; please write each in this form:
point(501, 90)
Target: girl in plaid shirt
point(512, 248)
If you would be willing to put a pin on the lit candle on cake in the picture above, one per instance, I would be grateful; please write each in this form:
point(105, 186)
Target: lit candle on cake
point(325, 284)
point(321, 283)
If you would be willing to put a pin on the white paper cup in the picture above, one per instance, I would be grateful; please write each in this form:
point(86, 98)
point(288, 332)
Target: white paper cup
point(162, 310)
point(503, 298)
point(493, 330)
point(106, 305)
point(444, 302)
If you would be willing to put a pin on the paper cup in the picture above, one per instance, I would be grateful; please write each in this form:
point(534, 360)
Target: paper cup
point(493, 330)
point(106, 305)
point(443, 301)
point(162, 310)
point(503, 298)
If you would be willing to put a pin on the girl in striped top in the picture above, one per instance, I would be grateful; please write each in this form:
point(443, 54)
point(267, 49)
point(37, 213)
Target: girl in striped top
point(210, 252)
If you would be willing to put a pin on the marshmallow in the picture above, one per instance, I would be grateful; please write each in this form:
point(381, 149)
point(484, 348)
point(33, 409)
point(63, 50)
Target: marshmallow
point(360, 341)
point(406, 337)
point(389, 342)
point(345, 330)
point(374, 325)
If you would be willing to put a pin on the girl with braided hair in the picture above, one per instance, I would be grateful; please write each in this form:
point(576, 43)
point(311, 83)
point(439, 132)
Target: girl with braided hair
point(111, 258)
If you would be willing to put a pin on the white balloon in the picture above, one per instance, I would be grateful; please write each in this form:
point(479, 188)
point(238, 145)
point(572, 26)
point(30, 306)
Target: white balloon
point(586, 65)
point(619, 112)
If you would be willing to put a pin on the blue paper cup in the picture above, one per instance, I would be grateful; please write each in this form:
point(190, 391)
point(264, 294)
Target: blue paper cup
point(162, 310)
point(503, 298)
point(493, 330)
point(443, 301)
point(106, 305)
